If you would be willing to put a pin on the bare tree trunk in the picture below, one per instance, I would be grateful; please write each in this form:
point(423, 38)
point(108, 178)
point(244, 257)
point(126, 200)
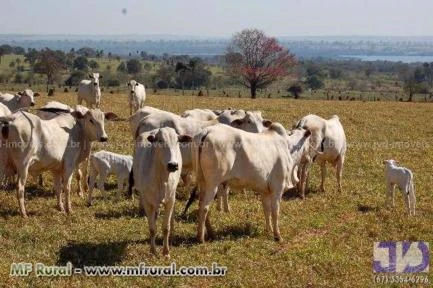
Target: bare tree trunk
point(253, 90)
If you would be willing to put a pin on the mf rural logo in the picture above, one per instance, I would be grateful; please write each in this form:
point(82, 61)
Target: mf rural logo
point(401, 257)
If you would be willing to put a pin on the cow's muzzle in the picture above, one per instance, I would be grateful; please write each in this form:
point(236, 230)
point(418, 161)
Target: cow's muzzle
point(103, 139)
point(96, 84)
point(32, 104)
point(172, 167)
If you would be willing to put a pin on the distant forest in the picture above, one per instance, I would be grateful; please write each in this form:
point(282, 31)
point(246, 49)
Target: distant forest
point(308, 47)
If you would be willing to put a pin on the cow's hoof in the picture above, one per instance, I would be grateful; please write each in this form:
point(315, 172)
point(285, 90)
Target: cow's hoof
point(278, 239)
point(89, 204)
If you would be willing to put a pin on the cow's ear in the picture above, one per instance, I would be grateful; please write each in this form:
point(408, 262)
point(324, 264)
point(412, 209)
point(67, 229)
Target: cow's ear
point(110, 116)
point(236, 123)
point(307, 133)
point(77, 114)
point(267, 123)
point(151, 138)
point(128, 84)
point(21, 93)
point(90, 76)
point(136, 84)
point(384, 162)
point(184, 138)
point(100, 77)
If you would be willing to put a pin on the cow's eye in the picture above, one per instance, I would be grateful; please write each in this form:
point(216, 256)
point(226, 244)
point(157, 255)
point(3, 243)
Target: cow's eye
point(249, 122)
point(91, 121)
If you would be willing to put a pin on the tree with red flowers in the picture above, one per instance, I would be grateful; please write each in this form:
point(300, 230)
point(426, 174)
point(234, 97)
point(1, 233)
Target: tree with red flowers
point(256, 60)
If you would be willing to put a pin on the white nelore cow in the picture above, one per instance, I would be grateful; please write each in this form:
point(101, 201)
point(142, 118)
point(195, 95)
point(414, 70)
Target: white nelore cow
point(403, 178)
point(89, 91)
point(329, 140)
point(155, 175)
point(300, 150)
point(59, 145)
point(18, 101)
point(261, 162)
point(136, 118)
point(51, 110)
point(137, 96)
point(200, 114)
point(4, 110)
point(104, 163)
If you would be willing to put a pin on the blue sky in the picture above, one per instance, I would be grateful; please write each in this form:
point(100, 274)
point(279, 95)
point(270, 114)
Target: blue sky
point(218, 17)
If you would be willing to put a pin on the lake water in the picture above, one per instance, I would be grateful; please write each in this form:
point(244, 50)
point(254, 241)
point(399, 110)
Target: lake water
point(404, 59)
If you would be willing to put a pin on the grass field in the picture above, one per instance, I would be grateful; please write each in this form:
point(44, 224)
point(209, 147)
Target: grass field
point(328, 237)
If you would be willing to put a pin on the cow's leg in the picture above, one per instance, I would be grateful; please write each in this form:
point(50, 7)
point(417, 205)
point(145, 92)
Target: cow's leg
point(412, 199)
point(220, 197)
point(120, 187)
point(393, 195)
point(79, 177)
point(266, 202)
point(225, 196)
point(406, 200)
point(67, 180)
point(206, 197)
point(92, 178)
point(166, 226)
point(323, 174)
point(57, 178)
point(389, 194)
point(130, 109)
point(275, 212)
point(151, 219)
point(339, 173)
point(101, 180)
point(141, 206)
point(22, 179)
point(302, 185)
point(41, 180)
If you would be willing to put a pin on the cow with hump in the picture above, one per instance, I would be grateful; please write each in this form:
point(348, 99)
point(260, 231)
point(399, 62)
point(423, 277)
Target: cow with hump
point(32, 145)
point(156, 169)
point(261, 162)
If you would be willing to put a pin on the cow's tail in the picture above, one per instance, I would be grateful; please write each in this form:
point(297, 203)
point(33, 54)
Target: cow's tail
point(410, 190)
point(130, 183)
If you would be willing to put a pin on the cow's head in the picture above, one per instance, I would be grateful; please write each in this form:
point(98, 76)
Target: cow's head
point(94, 77)
point(26, 98)
point(252, 122)
point(93, 121)
point(166, 145)
point(132, 84)
point(390, 162)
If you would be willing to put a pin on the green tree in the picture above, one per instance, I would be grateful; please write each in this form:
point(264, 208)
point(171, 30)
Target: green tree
point(93, 64)
point(49, 63)
point(134, 66)
point(81, 63)
point(122, 68)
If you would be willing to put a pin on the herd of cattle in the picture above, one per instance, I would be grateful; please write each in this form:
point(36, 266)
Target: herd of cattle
point(213, 150)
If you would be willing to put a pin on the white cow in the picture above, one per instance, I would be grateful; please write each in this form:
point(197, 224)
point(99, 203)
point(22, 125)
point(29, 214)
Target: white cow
point(89, 91)
point(18, 101)
point(104, 163)
point(59, 145)
point(403, 178)
point(261, 162)
point(141, 113)
point(155, 175)
point(329, 140)
point(137, 96)
point(300, 150)
point(4, 110)
point(53, 109)
point(200, 114)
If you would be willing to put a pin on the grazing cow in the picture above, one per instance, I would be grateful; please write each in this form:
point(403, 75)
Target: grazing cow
point(200, 114)
point(89, 91)
point(18, 101)
point(137, 96)
point(104, 163)
point(403, 178)
point(261, 162)
point(33, 145)
point(329, 140)
point(155, 175)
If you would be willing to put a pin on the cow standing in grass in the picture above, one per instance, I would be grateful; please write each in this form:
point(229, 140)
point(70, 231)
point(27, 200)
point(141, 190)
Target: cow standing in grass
point(261, 162)
point(102, 164)
point(137, 96)
point(155, 175)
point(403, 178)
point(32, 145)
point(89, 91)
point(329, 141)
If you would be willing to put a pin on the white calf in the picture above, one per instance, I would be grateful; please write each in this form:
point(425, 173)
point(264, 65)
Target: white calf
point(403, 178)
point(137, 96)
point(104, 163)
point(89, 91)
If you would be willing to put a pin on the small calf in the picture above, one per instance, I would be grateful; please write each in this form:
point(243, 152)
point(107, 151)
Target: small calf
point(104, 163)
point(402, 177)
